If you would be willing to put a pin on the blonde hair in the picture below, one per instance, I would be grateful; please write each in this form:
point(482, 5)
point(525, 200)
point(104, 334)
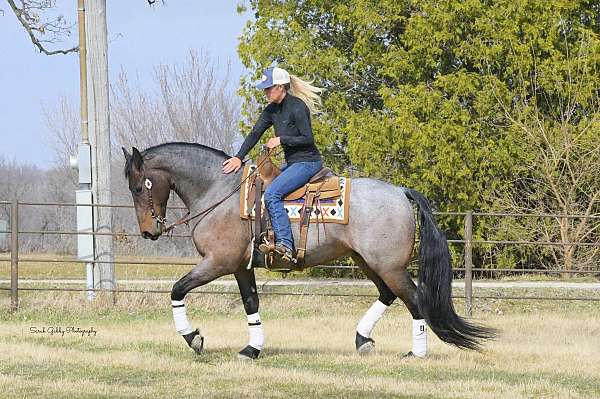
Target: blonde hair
point(306, 92)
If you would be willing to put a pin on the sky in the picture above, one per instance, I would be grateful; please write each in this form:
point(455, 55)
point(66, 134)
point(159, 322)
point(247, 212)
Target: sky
point(140, 37)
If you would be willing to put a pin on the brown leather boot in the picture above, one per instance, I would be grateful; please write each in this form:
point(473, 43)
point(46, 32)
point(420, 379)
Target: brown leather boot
point(286, 253)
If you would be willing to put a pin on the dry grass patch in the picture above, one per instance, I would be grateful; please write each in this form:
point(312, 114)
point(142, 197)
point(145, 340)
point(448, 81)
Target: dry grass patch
point(309, 351)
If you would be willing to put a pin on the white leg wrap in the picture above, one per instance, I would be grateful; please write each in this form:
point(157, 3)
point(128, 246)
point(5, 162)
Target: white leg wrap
point(419, 346)
point(367, 323)
point(255, 331)
point(182, 325)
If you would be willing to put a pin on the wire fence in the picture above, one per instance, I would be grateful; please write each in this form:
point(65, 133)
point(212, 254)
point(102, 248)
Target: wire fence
point(466, 270)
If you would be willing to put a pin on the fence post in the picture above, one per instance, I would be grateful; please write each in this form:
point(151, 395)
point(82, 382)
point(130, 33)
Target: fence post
point(14, 256)
point(469, 262)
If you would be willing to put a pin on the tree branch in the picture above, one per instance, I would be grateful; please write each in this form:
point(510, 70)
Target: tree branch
point(19, 14)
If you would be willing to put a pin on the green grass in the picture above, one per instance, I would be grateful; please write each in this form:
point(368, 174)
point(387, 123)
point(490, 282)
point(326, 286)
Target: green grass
point(50, 266)
point(46, 267)
point(42, 266)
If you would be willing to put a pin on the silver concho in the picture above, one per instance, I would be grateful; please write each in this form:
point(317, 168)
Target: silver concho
point(148, 184)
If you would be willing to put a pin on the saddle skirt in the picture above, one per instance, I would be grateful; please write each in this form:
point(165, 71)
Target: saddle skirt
point(332, 205)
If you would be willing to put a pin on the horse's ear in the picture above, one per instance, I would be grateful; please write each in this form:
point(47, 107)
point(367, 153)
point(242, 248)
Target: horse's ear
point(137, 161)
point(127, 155)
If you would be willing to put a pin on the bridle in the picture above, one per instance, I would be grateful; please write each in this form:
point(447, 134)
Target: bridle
point(155, 215)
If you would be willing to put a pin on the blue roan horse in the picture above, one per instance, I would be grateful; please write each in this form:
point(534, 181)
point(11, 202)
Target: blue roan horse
point(379, 237)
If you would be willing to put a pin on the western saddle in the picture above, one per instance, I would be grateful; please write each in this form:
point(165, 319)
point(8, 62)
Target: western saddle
point(322, 185)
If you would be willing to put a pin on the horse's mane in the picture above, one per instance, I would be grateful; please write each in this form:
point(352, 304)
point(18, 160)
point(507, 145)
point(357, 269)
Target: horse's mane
point(149, 150)
point(184, 144)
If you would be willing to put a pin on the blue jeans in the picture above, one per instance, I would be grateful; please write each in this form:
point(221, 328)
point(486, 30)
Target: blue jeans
point(291, 178)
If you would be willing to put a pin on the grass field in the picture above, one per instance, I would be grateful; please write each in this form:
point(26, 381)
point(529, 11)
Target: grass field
point(43, 267)
point(546, 350)
point(49, 266)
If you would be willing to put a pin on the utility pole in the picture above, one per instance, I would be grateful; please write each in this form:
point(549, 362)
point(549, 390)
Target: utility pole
point(97, 44)
point(83, 162)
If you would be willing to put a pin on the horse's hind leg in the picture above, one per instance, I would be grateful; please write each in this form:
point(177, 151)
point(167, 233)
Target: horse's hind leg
point(394, 283)
point(364, 343)
point(401, 284)
point(247, 285)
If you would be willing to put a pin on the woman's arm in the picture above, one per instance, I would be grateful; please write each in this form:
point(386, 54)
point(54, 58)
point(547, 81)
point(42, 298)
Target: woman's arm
point(264, 122)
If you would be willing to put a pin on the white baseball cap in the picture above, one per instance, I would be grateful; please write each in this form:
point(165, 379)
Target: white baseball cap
point(273, 76)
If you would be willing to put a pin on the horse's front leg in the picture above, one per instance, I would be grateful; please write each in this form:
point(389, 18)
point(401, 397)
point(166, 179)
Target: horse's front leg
point(247, 285)
point(205, 272)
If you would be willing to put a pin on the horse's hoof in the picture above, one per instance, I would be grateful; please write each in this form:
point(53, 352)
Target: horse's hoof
point(249, 353)
point(366, 348)
point(364, 345)
point(410, 355)
point(195, 341)
point(197, 344)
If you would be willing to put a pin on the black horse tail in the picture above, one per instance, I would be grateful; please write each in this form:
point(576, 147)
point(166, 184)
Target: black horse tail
point(434, 289)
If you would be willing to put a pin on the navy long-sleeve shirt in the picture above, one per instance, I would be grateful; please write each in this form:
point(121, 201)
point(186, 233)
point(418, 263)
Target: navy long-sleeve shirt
point(291, 120)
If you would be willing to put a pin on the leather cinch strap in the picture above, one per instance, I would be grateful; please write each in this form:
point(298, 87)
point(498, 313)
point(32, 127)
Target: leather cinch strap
point(257, 211)
point(307, 209)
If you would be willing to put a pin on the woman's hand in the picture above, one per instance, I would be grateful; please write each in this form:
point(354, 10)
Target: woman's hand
point(273, 142)
point(232, 165)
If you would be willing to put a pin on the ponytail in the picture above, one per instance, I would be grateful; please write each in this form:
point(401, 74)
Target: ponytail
point(306, 92)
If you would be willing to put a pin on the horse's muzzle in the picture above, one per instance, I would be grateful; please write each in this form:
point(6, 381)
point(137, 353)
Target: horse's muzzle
point(151, 236)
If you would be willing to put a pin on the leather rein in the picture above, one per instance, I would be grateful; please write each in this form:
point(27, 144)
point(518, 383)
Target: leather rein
point(187, 218)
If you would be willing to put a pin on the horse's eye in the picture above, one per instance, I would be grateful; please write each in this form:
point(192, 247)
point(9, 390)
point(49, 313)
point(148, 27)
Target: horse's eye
point(137, 189)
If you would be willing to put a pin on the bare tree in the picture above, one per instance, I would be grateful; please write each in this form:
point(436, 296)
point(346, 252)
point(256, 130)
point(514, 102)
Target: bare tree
point(192, 103)
point(63, 134)
point(559, 123)
point(15, 179)
point(25, 182)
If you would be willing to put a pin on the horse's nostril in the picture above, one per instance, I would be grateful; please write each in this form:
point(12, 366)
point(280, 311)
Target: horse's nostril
point(145, 234)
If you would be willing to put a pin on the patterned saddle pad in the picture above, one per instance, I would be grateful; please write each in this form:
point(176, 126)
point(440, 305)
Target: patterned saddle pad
point(328, 210)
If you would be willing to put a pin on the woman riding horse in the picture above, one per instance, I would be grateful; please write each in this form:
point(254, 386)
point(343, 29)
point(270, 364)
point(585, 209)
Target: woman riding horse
point(291, 103)
point(379, 236)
